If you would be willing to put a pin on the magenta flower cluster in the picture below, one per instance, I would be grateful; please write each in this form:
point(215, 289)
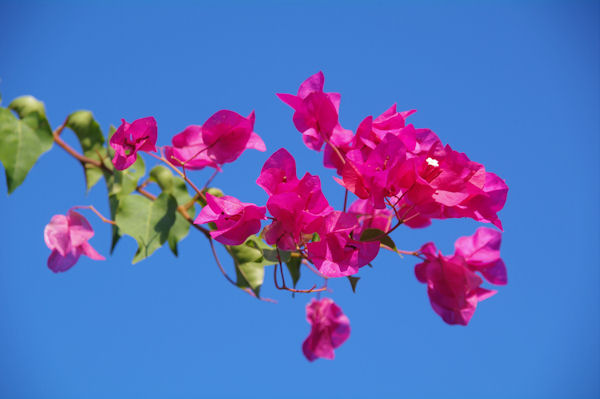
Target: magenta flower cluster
point(401, 175)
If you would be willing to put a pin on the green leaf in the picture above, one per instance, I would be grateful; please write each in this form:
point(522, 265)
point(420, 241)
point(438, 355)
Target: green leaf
point(123, 182)
point(92, 142)
point(250, 275)
point(250, 263)
point(377, 235)
point(293, 266)
point(245, 252)
point(353, 281)
point(271, 255)
point(177, 187)
point(26, 105)
point(113, 203)
point(148, 222)
point(22, 142)
point(119, 184)
point(113, 200)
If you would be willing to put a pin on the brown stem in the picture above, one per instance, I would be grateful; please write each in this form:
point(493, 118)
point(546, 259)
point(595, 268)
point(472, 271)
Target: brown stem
point(214, 252)
point(335, 149)
point(345, 199)
point(91, 208)
point(71, 151)
point(210, 179)
point(284, 287)
point(191, 202)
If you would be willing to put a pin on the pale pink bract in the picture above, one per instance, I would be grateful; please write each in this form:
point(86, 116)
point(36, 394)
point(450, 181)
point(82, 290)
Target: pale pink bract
point(67, 237)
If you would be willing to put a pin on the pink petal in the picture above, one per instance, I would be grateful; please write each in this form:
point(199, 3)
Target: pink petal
point(293, 101)
point(87, 250)
point(256, 143)
point(144, 130)
point(56, 234)
point(60, 263)
point(80, 230)
point(314, 83)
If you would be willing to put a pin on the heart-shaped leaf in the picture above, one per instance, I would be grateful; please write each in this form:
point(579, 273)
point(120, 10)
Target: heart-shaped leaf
point(148, 222)
point(22, 141)
point(92, 142)
point(177, 187)
point(250, 263)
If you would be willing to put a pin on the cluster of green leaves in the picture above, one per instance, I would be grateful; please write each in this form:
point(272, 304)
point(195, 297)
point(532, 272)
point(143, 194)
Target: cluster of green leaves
point(25, 134)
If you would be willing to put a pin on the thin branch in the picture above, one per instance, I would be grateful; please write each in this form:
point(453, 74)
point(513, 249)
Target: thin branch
point(214, 252)
point(210, 179)
point(284, 287)
point(345, 199)
point(91, 208)
point(71, 151)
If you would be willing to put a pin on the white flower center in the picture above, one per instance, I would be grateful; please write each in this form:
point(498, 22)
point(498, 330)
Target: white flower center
point(432, 162)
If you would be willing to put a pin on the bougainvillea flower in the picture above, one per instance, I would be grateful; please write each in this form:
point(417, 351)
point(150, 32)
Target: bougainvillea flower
point(278, 174)
point(375, 176)
point(222, 139)
point(67, 237)
point(391, 120)
point(371, 131)
point(330, 328)
point(140, 135)
point(485, 205)
point(297, 214)
point(443, 183)
point(235, 220)
point(481, 252)
point(227, 134)
point(189, 151)
point(342, 139)
point(453, 288)
point(337, 254)
point(316, 112)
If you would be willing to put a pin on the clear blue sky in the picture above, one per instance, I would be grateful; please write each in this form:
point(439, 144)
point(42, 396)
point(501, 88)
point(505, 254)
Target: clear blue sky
point(515, 85)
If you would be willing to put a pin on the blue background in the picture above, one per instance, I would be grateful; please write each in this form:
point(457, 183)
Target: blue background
point(515, 85)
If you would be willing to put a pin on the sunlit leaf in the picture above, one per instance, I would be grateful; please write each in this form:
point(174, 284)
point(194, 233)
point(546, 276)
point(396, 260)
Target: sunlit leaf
point(293, 266)
point(92, 143)
point(22, 141)
point(177, 187)
point(148, 222)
